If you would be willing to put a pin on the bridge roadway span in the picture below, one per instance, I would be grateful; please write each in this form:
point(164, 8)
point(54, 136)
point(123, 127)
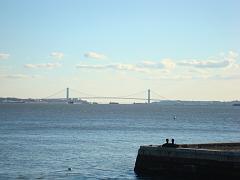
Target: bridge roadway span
point(127, 98)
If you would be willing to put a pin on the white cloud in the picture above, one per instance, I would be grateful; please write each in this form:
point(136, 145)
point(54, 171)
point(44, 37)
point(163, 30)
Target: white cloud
point(120, 67)
point(205, 64)
point(151, 65)
point(168, 64)
point(86, 66)
point(232, 54)
point(144, 67)
point(43, 65)
point(4, 56)
point(224, 66)
point(225, 61)
point(170, 77)
point(129, 67)
point(232, 57)
point(16, 76)
point(19, 76)
point(57, 55)
point(95, 55)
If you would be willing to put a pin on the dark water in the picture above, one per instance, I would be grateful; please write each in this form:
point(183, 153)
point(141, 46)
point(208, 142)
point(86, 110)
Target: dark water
point(41, 141)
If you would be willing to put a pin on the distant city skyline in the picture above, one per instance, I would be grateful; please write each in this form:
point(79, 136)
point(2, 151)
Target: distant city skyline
point(185, 50)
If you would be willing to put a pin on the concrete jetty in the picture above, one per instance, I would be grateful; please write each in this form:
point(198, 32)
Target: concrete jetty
point(194, 161)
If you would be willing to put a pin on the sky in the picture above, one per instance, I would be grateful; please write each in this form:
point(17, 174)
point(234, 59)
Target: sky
point(185, 50)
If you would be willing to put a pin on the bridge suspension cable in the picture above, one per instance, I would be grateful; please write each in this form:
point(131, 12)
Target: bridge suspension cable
point(79, 92)
point(140, 92)
point(54, 94)
point(162, 97)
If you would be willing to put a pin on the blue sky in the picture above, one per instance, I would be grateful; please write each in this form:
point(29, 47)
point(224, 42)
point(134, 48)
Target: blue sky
point(181, 49)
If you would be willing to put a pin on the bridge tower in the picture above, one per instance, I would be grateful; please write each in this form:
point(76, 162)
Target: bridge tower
point(149, 96)
point(67, 94)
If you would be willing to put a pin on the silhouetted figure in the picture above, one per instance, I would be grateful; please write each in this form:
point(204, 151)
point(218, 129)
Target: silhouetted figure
point(167, 144)
point(69, 169)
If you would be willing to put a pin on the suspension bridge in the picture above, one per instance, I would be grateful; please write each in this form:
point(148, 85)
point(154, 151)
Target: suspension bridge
point(146, 96)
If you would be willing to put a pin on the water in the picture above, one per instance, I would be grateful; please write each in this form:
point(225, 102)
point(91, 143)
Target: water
point(41, 141)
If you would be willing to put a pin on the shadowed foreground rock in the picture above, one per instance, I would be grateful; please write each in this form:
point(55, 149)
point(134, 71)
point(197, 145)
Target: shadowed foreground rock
point(194, 161)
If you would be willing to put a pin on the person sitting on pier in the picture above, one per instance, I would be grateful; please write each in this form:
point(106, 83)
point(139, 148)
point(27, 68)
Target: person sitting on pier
point(167, 144)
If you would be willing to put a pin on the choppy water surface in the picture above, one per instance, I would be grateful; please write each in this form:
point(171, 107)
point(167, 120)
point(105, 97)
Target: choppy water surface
point(41, 141)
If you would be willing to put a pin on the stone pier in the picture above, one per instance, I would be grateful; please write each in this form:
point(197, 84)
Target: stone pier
point(217, 160)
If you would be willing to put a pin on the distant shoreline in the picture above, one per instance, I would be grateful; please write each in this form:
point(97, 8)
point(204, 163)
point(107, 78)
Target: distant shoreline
point(79, 101)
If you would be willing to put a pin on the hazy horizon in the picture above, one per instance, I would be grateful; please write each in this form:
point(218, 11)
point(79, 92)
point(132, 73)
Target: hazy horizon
point(180, 49)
